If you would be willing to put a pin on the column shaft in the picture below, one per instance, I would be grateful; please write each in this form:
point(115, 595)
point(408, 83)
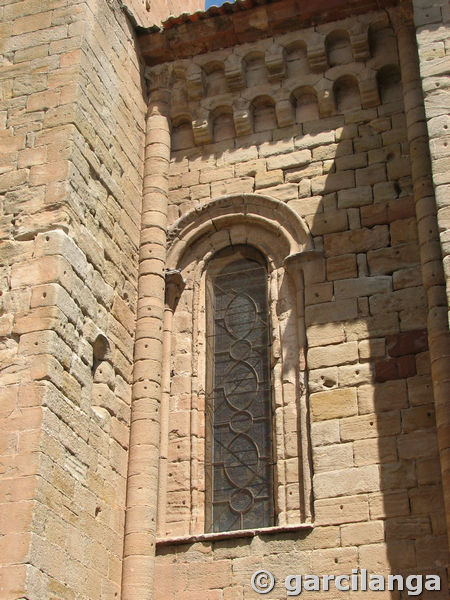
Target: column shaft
point(142, 483)
point(430, 252)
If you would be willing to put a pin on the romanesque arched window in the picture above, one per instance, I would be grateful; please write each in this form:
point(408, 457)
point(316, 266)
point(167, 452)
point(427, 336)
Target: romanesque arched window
point(234, 332)
point(239, 455)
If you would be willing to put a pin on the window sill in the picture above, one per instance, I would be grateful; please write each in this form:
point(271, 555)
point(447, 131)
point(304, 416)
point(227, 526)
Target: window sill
point(238, 533)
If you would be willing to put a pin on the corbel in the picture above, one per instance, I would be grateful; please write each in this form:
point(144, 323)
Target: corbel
point(234, 74)
point(242, 117)
point(360, 45)
point(275, 63)
point(368, 89)
point(201, 128)
point(317, 58)
point(285, 112)
point(194, 83)
point(325, 100)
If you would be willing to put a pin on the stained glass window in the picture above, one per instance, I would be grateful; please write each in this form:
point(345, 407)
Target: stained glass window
point(239, 413)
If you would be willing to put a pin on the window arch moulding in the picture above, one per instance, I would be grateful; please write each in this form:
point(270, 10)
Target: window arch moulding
point(283, 239)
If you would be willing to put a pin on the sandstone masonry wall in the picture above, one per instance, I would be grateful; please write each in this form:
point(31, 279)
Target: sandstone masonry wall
point(154, 12)
point(314, 119)
point(316, 123)
point(72, 114)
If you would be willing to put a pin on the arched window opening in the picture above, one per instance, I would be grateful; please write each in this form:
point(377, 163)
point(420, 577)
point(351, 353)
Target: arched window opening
point(239, 449)
point(270, 484)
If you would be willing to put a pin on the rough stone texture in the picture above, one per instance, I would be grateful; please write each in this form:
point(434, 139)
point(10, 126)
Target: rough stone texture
point(313, 140)
point(348, 175)
point(160, 10)
point(72, 142)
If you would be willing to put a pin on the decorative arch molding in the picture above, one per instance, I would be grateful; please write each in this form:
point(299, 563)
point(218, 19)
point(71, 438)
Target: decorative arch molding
point(245, 216)
point(284, 240)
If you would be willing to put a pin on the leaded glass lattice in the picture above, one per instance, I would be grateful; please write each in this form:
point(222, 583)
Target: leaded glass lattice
point(240, 446)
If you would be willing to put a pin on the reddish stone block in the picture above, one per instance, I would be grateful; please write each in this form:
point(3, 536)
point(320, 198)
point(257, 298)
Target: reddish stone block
point(396, 368)
point(409, 342)
point(374, 214)
point(401, 208)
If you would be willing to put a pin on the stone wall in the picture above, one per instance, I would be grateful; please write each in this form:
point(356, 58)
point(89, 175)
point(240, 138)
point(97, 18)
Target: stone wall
point(162, 9)
point(316, 120)
point(154, 12)
point(72, 114)
point(314, 138)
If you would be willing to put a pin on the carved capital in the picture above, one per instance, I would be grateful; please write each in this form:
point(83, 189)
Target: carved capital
point(174, 287)
point(159, 77)
point(360, 45)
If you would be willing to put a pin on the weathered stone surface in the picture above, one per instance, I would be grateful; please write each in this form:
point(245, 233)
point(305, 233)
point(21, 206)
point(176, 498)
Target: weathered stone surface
point(256, 102)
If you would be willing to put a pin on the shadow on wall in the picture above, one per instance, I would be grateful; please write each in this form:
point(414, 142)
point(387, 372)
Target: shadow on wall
point(377, 493)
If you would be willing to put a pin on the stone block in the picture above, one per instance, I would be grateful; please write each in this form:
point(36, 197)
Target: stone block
point(333, 182)
point(326, 356)
point(42, 270)
point(359, 240)
point(325, 432)
point(275, 148)
point(384, 261)
point(265, 180)
point(362, 286)
point(356, 197)
point(358, 480)
point(396, 368)
point(363, 427)
point(330, 458)
point(382, 397)
point(347, 509)
point(417, 444)
point(323, 335)
point(294, 159)
point(326, 312)
point(406, 299)
point(333, 404)
point(322, 379)
point(57, 242)
point(362, 533)
point(375, 451)
point(314, 139)
point(341, 267)
point(328, 222)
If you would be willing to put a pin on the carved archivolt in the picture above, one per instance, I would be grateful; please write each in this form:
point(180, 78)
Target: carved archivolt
point(283, 238)
point(268, 224)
